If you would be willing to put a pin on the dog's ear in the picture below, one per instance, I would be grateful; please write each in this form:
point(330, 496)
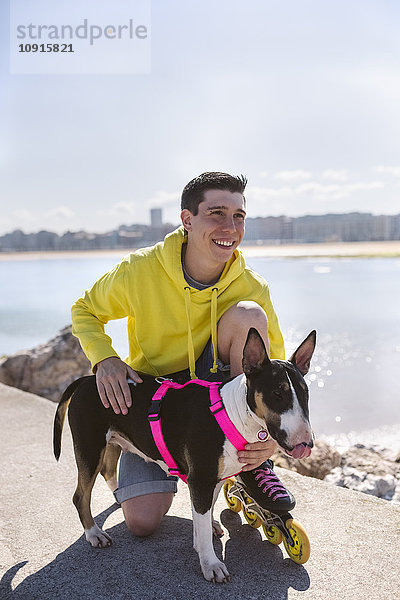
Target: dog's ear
point(302, 356)
point(254, 352)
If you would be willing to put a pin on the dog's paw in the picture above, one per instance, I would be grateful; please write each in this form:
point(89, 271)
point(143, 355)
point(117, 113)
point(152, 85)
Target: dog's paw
point(215, 571)
point(97, 537)
point(217, 529)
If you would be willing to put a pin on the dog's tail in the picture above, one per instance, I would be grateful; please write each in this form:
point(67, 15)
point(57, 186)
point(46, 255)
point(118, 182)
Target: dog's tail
point(60, 415)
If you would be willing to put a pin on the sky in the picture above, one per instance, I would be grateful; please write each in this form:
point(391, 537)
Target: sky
point(301, 96)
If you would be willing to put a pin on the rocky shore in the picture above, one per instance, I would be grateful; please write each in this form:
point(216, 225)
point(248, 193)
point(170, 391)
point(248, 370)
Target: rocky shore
point(372, 470)
point(49, 368)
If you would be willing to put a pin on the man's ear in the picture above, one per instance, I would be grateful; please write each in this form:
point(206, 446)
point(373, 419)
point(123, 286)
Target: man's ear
point(186, 218)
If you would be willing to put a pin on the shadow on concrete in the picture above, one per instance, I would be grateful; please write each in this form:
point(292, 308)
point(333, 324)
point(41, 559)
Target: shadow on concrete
point(161, 566)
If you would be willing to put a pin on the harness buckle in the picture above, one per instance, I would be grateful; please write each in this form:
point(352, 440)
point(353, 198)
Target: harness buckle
point(153, 414)
point(215, 408)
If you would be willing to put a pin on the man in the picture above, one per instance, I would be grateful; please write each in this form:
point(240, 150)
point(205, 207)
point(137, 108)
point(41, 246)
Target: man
point(190, 301)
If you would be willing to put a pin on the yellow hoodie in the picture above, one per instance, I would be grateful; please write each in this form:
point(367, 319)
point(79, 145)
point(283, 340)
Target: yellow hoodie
point(169, 322)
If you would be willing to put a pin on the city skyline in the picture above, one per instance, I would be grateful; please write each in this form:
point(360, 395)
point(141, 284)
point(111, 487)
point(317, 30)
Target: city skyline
point(159, 221)
point(345, 227)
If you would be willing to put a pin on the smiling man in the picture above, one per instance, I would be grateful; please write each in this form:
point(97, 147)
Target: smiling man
point(190, 302)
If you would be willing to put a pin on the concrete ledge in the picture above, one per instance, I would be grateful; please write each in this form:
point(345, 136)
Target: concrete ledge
point(355, 538)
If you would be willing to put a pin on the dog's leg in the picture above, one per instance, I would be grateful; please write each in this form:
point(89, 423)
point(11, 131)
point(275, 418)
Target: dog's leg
point(86, 477)
point(202, 499)
point(217, 529)
point(109, 467)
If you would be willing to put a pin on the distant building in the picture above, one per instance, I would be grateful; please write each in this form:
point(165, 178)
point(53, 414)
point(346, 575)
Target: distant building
point(271, 229)
point(350, 227)
point(156, 217)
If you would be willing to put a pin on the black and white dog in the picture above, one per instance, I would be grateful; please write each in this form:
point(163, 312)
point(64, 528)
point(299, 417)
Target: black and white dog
point(270, 394)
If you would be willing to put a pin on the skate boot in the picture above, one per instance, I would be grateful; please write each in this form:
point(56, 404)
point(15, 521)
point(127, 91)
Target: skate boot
point(265, 501)
point(266, 489)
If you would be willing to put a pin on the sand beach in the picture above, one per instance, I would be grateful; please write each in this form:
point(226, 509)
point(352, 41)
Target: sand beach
point(387, 249)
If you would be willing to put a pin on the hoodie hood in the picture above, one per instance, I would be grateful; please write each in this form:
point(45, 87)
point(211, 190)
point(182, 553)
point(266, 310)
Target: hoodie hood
point(169, 253)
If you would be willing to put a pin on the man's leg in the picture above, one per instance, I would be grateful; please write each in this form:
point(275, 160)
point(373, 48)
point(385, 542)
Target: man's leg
point(145, 493)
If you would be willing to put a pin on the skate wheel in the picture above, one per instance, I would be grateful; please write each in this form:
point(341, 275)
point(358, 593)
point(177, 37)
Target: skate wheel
point(300, 551)
point(273, 535)
point(234, 503)
point(252, 518)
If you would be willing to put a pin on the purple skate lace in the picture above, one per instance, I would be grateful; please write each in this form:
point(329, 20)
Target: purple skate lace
point(272, 485)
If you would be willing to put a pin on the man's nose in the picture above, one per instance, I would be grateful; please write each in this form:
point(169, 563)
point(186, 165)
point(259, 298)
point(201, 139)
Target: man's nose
point(229, 224)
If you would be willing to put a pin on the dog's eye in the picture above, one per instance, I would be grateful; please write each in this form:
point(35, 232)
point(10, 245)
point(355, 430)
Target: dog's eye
point(277, 393)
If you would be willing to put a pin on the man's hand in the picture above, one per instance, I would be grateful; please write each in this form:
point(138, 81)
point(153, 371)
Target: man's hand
point(111, 376)
point(256, 453)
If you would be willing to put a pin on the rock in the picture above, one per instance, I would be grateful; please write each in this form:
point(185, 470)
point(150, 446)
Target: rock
point(396, 495)
point(368, 470)
point(47, 369)
point(370, 460)
point(322, 460)
point(353, 479)
point(364, 469)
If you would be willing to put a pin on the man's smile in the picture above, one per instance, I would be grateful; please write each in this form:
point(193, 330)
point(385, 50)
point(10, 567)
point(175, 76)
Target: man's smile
point(224, 243)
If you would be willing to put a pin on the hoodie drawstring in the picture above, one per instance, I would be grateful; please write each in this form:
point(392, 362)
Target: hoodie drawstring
point(214, 298)
point(192, 360)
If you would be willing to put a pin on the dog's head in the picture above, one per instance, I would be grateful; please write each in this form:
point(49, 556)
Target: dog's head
point(278, 394)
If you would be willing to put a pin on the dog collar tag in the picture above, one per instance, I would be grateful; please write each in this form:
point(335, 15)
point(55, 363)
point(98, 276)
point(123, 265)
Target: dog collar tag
point(263, 435)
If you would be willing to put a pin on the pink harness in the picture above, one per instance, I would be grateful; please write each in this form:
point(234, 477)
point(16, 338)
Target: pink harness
point(216, 407)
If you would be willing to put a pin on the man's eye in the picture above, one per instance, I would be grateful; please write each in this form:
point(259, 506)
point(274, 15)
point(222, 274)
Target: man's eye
point(240, 216)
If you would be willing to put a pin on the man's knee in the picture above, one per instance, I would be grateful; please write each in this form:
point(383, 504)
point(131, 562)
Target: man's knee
point(142, 526)
point(144, 514)
point(243, 315)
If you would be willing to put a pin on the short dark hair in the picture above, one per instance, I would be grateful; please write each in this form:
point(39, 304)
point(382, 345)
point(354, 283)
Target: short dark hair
point(193, 192)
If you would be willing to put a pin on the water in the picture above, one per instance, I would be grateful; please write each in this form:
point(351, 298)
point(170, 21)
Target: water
point(352, 303)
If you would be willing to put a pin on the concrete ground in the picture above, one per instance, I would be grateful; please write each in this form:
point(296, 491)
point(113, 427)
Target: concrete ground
point(355, 539)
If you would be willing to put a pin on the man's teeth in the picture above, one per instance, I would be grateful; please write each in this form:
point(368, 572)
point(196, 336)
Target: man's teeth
point(223, 243)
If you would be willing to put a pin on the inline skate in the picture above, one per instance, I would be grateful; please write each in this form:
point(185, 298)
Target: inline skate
point(278, 526)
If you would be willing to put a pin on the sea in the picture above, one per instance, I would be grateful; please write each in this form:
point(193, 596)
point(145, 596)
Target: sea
point(353, 303)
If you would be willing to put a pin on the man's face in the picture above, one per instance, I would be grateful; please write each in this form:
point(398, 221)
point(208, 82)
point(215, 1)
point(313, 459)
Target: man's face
point(218, 227)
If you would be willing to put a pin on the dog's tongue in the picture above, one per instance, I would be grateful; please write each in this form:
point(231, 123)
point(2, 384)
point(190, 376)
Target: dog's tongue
point(301, 451)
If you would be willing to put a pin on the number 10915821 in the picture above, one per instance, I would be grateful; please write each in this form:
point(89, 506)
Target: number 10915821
point(45, 48)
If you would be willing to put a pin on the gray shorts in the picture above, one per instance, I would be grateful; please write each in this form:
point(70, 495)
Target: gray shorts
point(136, 476)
